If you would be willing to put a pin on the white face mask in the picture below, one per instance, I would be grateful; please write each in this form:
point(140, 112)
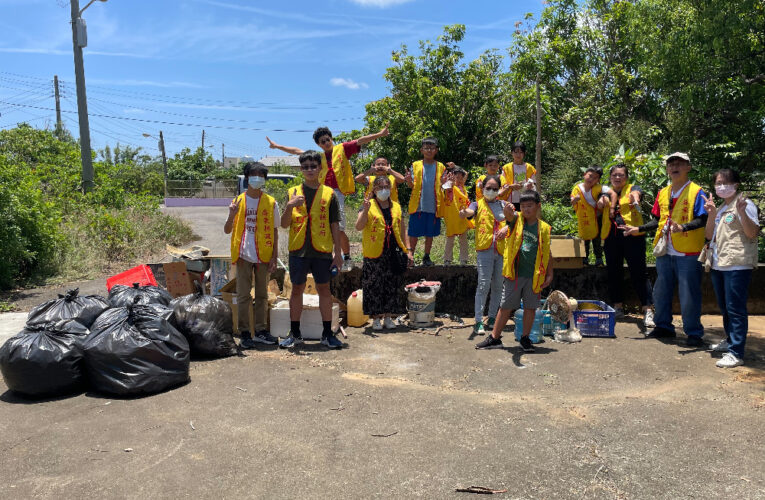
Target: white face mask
point(725, 190)
point(256, 181)
point(383, 194)
point(490, 194)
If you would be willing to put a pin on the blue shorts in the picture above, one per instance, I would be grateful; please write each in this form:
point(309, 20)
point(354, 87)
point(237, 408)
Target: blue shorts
point(423, 224)
point(301, 266)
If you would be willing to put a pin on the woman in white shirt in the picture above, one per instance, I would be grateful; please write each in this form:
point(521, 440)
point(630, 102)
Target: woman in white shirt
point(732, 230)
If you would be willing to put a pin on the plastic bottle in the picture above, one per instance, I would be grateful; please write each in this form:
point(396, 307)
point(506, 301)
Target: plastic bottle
point(536, 330)
point(356, 316)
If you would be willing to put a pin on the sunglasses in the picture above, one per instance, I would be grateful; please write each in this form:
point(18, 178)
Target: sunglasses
point(310, 166)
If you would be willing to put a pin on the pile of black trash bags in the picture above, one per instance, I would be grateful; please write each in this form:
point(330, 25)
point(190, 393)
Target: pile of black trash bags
point(137, 342)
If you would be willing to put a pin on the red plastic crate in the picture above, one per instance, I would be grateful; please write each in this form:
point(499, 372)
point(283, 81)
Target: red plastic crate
point(139, 274)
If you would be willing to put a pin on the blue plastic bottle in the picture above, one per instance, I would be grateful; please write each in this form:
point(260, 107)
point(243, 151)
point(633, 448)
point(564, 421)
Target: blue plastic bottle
point(536, 330)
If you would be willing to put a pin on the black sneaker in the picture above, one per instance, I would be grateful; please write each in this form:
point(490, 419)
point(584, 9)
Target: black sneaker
point(426, 261)
point(660, 333)
point(695, 341)
point(526, 344)
point(264, 337)
point(247, 343)
point(332, 342)
point(490, 343)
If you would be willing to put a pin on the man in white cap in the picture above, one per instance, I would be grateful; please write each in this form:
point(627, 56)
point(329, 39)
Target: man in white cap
point(680, 208)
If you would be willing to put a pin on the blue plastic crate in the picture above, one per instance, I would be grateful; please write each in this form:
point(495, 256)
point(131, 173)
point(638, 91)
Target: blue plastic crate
point(592, 323)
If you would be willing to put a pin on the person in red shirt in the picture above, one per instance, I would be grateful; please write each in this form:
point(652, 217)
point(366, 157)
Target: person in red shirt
point(323, 138)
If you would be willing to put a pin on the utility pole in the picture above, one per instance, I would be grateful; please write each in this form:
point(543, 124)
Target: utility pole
point(539, 141)
point(59, 126)
point(78, 42)
point(164, 158)
point(203, 140)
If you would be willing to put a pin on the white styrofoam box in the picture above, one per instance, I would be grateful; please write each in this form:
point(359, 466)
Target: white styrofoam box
point(310, 321)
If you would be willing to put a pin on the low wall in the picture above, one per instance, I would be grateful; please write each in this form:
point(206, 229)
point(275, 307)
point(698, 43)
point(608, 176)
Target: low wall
point(458, 284)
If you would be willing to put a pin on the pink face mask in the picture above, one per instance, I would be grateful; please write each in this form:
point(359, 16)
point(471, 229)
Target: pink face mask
point(725, 190)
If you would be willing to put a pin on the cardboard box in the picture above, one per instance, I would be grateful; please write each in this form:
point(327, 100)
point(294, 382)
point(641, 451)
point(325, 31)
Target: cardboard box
point(567, 253)
point(178, 280)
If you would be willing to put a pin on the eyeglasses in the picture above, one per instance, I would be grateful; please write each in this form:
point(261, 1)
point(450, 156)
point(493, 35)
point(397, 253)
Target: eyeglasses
point(429, 148)
point(310, 166)
point(618, 176)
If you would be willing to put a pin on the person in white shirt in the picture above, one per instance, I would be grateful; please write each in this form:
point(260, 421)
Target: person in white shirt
point(732, 254)
point(252, 221)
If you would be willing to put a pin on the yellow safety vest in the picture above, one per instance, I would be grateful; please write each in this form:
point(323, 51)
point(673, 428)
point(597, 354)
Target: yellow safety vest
point(543, 253)
point(479, 190)
point(689, 242)
point(318, 219)
point(414, 198)
point(509, 177)
point(342, 167)
point(631, 215)
point(373, 236)
point(393, 188)
point(586, 214)
point(486, 227)
point(454, 223)
point(264, 228)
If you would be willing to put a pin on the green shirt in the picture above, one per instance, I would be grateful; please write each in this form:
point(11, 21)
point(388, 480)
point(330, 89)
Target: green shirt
point(527, 256)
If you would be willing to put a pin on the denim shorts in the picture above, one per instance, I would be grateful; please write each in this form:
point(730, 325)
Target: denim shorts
point(423, 224)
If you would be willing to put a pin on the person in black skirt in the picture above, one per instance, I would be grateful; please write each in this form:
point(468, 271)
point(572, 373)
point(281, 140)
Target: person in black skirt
point(386, 256)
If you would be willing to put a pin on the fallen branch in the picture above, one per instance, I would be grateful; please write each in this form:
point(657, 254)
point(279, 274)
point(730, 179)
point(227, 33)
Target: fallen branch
point(240, 388)
point(482, 490)
point(385, 435)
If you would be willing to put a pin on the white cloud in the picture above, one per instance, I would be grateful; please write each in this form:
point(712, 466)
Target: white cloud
point(379, 3)
point(348, 83)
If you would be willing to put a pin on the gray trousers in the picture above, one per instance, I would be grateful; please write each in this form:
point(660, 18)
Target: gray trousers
point(489, 278)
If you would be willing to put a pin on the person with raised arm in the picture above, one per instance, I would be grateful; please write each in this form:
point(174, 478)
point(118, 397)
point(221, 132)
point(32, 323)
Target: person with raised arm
point(336, 172)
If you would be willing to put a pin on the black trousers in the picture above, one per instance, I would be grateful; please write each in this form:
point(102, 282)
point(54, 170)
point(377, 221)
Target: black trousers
point(619, 248)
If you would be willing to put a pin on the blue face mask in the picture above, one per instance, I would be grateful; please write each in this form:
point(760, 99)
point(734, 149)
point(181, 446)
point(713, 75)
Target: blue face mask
point(256, 181)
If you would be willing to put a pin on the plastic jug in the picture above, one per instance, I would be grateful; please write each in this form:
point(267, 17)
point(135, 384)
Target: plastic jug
point(536, 329)
point(356, 316)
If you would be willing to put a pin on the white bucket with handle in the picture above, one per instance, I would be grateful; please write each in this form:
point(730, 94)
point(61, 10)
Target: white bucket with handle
point(421, 302)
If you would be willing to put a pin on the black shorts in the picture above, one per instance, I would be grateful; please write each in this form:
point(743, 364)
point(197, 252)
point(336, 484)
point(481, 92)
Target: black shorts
point(318, 267)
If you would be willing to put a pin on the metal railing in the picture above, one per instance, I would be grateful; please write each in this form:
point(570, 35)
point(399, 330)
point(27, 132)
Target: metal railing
point(201, 188)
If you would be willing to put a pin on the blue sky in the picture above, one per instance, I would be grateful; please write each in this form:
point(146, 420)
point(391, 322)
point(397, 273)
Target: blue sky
point(238, 69)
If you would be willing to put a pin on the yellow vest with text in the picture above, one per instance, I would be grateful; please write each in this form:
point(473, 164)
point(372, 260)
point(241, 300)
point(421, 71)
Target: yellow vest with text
point(317, 218)
point(631, 215)
point(264, 228)
point(509, 177)
point(689, 242)
point(486, 227)
point(393, 188)
point(373, 236)
point(342, 167)
point(513, 246)
point(414, 198)
point(586, 214)
point(454, 223)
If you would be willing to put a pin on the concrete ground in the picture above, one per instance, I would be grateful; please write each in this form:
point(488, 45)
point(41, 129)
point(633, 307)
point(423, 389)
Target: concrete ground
point(407, 414)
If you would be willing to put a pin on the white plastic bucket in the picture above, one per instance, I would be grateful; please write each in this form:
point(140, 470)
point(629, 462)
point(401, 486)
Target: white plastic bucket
point(421, 302)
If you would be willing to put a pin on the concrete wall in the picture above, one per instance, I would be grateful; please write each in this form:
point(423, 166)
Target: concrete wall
point(458, 284)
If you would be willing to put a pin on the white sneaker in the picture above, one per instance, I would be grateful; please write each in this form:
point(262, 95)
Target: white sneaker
point(376, 325)
point(347, 265)
point(729, 361)
point(389, 324)
point(721, 347)
point(648, 319)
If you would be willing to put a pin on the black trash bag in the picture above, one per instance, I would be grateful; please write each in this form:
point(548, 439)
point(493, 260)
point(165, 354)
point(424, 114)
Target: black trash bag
point(206, 323)
point(122, 295)
point(135, 350)
point(45, 360)
point(84, 310)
